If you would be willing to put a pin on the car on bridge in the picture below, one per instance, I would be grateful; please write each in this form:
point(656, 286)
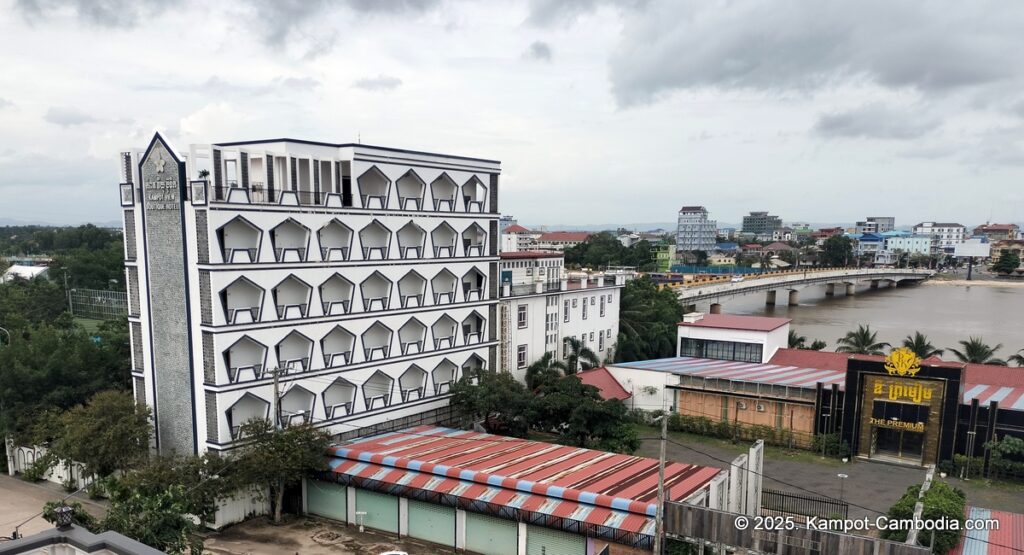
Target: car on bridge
point(736, 279)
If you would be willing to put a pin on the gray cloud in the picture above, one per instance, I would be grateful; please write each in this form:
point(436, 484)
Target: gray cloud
point(5, 103)
point(219, 87)
point(538, 50)
point(876, 121)
point(67, 117)
point(793, 45)
point(545, 13)
point(104, 13)
point(378, 83)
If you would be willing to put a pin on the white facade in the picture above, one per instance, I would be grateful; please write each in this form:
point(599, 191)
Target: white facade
point(911, 244)
point(769, 340)
point(365, 277)
point(946, 235)
point(540, 306)
point(695, 232)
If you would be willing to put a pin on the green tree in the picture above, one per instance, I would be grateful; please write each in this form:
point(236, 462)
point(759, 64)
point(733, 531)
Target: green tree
point(580, 356)
point(207, 479)
point(160, 520)
point(941, 502)
point(976, 351)
point(921, 346)
point(861, 341)
point(1017, 358)
point(543, 371)
point(817, 345)
point(110, 432)
point(496, 398)
point(1008, 262)
point(796, 341)
point(648, 318)
point(576, 412)
point(837, 251)
point(702, 257)
point(276, 459)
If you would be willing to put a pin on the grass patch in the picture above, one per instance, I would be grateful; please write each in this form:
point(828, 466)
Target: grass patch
point(89, 325)
point(771, 452)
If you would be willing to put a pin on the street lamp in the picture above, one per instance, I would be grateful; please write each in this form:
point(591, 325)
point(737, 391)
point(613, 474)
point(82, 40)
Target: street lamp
point(842, 480)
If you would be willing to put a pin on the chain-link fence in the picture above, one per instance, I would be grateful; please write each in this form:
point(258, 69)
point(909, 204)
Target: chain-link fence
point(97, 304)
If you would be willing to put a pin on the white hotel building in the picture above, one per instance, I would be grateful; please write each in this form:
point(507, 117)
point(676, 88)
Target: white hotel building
point(364, 277)
point(542, 304)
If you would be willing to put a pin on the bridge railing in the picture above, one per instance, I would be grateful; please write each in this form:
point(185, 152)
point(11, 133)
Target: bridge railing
point(710, 279)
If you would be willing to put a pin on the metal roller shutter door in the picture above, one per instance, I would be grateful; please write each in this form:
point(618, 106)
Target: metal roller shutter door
point(545, 541)
point(381, 510)
point(434, 523)
point(491, 535)
point(327, 499)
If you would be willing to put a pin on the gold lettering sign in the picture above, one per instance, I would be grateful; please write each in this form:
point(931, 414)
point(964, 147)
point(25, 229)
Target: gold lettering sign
point(902, 362)
point(916, 392)
point(898, 424)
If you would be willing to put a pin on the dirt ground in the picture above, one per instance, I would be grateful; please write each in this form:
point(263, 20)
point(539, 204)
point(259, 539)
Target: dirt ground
point(309, 536)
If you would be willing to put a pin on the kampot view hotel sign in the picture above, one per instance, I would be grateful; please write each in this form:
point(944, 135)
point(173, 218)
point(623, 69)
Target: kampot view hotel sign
point(161, 187)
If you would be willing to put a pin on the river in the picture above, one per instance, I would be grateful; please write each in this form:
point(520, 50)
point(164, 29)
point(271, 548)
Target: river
point(945, 313)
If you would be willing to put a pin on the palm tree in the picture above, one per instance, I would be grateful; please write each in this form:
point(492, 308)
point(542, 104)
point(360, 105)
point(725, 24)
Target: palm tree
point(976, 351)
point(544, 370)
point(796, 341)
point(862, 341)
point(1018, 358)
point(921, 346)
point(580, 356)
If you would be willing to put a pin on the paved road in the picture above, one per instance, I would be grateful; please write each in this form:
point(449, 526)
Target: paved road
point(870, 487)
point(20, 500)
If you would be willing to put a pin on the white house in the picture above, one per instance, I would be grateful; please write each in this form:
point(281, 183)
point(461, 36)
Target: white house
point(19, 271)
point(946, 236)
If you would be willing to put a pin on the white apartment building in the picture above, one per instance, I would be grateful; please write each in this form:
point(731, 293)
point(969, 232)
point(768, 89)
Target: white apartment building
point(363, 277)
point(911, 244)
point(695, 232)
point(946, 235)
point(516, 238)
point(541, 305)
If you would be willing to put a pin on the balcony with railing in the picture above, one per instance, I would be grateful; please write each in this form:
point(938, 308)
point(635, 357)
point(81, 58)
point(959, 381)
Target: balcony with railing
point(339, 398)
point(473, 329)
point(473, 285)
point(335, 241)
point(242, 301)
point(443, 376)
point(297, 406)
point(473, 365)
point(375, 289)
point(412, 383)
point(248, 407)
point(411, 336)
point(474, 241)
point(411, 188)
point(239, 241)
point(337, 347)
point(291, 298)
point(411, 240)
point(443, 332)
point(245, 360)
point(290, 240)
point(336, 295)
point(443, 238)
point(411, 289)
point(293, 352)
point(378, 388)
point(474, 195)
point(374, 188)
point(375, 239)
point(444, 191)
point(377, 342)
point(444, 285)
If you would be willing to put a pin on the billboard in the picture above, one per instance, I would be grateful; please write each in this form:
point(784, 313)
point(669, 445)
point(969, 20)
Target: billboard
point(972, 247)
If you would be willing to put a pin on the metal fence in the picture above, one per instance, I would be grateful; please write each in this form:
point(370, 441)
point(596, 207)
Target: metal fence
point(98, 304)
point(803, 504)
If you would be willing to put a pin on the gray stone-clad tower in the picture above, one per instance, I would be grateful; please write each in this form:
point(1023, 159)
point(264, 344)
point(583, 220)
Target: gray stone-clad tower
point(363, 277)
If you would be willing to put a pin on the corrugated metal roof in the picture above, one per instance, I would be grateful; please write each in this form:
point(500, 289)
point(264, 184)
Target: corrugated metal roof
point(742, 371)
point(1006, 540)
point(614, 490)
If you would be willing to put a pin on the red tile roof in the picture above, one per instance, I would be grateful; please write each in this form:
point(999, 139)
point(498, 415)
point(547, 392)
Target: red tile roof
point(995, 227)
point(735, 322)
point(777, 246)
point(805, 358)
point(603, 380)
point(565, 236)
point(516, 228)
point(532, 254)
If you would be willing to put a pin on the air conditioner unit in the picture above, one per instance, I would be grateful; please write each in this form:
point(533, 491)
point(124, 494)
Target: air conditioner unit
point(741, 405)
point(760, 407)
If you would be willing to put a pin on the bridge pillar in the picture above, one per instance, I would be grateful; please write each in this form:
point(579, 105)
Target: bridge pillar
point(893, 283)
point(794, 297)
point(830, 289)
point(769, 298)
point(851, 289)
point(716, 308)
point(874, 284)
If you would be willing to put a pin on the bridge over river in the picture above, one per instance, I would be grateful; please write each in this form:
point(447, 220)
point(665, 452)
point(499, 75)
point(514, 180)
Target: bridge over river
point(718, 288)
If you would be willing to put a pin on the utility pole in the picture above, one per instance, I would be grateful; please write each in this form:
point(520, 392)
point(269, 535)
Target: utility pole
point(659, 518)
point(276, 408)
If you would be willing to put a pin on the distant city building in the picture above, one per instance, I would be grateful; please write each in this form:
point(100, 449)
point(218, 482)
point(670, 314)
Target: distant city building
point(801, 228)
point(869, 246)
point(761, 224)
point(629, 239)
point(505, 222)
point(910, 244)
point(882, 223)
point(559, 240)
point(865, 227)
point(946, 235)
point(999, 248)
point(695, 232)
point(997, 232)
point(783, 234)
point(727, 232)
point(727, 247)
point(664, 254)
point(516, 238)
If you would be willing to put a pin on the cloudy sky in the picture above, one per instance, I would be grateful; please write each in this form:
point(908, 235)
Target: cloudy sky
point(600, 111)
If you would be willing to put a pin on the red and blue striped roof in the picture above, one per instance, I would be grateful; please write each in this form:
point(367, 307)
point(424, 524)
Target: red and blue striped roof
point(609, 489)
point(1006, 539)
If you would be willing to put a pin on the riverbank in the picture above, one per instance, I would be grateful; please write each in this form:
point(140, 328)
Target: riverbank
point(977, 282)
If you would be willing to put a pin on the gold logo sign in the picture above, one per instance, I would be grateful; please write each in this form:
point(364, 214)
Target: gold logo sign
point(902, 362)
point(898, 392)
point(899, 425)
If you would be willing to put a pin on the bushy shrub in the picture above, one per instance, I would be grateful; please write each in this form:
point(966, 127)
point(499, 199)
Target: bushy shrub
point(831, 444)
point(941, 502)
